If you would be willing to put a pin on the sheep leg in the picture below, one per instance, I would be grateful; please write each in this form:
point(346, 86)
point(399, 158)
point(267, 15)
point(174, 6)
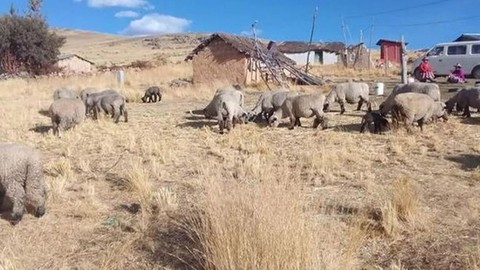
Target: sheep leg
point(360, 103)
point(420, 123)
point(319, 118)
point(292, 122)
point(466, 111)
point(342, 106)
point(363, 124)
point(159, 97)
point(16, 194)
point(116, 114)
point(297, 122)
point(123, 110)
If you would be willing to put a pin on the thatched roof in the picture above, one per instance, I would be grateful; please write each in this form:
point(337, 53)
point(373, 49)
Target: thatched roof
point(245, 45)
point(303, 47)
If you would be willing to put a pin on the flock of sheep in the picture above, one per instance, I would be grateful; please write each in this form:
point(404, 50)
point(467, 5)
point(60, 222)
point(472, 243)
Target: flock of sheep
point(408, 103)
point(22, 187)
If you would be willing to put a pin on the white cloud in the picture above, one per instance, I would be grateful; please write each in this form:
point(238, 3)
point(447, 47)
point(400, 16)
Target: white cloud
point(116, 3)
point(127, 14)
point(155, 23)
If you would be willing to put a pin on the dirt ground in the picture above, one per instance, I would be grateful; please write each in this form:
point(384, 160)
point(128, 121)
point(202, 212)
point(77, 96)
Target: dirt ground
point(414, 197)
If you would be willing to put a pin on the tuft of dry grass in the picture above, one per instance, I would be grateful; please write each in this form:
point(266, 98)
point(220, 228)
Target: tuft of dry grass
point(255, 226)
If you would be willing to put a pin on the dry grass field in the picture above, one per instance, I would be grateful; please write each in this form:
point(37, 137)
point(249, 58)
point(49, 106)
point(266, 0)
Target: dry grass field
point(256, 198)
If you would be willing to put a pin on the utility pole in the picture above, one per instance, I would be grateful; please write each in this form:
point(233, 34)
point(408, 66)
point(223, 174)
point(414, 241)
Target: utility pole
point(311, 37)
point(370, 44)
point(403, 55)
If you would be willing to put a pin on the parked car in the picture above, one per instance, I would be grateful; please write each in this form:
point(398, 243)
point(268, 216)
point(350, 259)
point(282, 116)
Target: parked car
point(444, 56)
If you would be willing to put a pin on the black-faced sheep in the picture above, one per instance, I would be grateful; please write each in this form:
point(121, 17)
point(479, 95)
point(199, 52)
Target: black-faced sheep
point(21, 180)
point(65, 114)
point(152, 94)
point(380, 123)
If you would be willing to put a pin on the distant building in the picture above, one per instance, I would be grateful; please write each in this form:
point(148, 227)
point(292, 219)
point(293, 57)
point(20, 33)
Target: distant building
point(232, 59)
point(318, 53)
point(74, 64)
point(468, 37)
point(390, 50)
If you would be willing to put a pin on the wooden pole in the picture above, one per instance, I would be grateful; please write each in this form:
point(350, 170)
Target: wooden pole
point(403, 56)
point(370, 44)
point(311, 38)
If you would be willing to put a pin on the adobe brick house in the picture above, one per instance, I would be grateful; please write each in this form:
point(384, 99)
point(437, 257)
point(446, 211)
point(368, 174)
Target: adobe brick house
point(231, 59)
point(74, 64)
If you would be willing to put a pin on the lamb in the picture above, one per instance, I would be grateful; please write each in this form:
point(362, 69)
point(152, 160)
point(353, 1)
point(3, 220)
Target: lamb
point(21, 180)
point(300, 106)
point(113, 105)
point(269, 102)
point(151, 95)
point(429, 89)
point(350, 92)
point(464, 99)
point(65, 93)
point(66, 113)
point(416, 107)
point(374, 117)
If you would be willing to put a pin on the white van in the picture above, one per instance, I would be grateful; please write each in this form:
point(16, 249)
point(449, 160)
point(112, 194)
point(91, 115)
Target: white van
point(444, 56)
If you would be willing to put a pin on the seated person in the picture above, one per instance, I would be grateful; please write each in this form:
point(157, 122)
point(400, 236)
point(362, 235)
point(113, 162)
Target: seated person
point(426, 71)
point(457, 75)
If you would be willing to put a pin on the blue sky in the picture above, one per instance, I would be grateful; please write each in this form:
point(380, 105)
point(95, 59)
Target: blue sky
point(277, 19)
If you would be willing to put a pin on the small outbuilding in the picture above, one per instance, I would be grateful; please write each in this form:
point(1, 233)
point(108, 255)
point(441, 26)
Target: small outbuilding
point(74, 64)
point(234, 59)
point(316, 53)
point(390, 50)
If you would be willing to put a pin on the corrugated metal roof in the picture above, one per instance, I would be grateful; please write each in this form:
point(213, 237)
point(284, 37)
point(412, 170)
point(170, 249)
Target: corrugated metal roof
point(303, 47)
point(67, 56)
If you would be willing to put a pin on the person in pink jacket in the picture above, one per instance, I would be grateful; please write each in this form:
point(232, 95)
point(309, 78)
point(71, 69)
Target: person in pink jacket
point(457, 75)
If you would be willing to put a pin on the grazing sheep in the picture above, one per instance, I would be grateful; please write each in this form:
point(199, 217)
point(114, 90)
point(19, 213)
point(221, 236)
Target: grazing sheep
point(65, 93)
point(416, 107)
point(21, 180)
point(464, 99)
point(113, 105)
point(300, 106)
point(152, 94)
point(85, 92)
point(230, 94)
point(350, 92)
point(92, 99)
point(379, 122)
point(269, 102)
point(66, 113)
point(429, 89)
point(230, 113)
